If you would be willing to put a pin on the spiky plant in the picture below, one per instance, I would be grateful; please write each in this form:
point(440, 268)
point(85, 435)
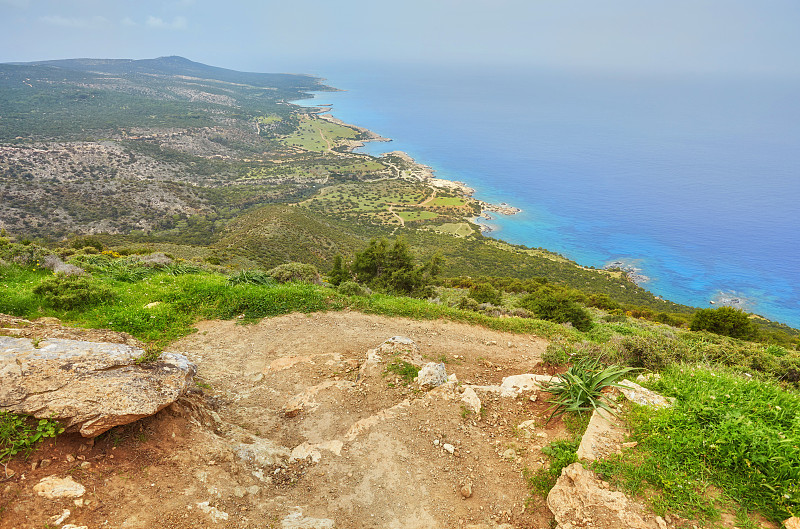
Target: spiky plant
point(579, 389)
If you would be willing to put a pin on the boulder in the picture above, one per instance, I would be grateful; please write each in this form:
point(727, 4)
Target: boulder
point(432, 375)
point(89, 386)
point(580, 499)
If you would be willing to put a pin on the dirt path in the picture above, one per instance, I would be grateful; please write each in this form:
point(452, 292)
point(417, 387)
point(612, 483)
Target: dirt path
point(381, 453)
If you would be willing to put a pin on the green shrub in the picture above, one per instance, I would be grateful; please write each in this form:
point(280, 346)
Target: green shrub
point(654, 352)
point(558, 309)
point(302, 272)
point(467, 303)
point(351, 288)
point(485, 293)
point(557, 353)
point(726, 321)
point(64, 292)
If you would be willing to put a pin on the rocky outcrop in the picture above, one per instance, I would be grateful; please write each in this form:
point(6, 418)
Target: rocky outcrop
point(90, 387)
point(580, 499)
point(604, 436)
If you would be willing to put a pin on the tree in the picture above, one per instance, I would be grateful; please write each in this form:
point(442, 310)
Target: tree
point(340, 272)
point(726, 321)
point(391, 268)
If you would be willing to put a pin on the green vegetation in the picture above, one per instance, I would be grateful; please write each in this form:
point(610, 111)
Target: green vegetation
point(406, 371)
point(579, 389)
point(739, 434)
point(392, 269)
point(557, 309)
point(20, 433)
point(726, 321)
point(561, 454)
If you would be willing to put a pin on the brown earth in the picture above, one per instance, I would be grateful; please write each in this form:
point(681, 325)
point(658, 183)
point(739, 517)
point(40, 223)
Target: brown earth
point(219, 458)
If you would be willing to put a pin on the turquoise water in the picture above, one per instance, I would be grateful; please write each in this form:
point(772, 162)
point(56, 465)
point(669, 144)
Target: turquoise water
point(695, 181)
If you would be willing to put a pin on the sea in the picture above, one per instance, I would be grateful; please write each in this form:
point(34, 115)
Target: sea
point(692, 182)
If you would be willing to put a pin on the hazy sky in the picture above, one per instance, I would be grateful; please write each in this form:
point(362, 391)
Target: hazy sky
point(640, 36)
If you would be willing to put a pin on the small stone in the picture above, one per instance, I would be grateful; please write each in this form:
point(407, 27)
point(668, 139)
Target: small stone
point(70, 458)
point(82, 458)
point(58, 519)
point(215, 514)
point(71, 526)
point(510, 454)
point(449, 448)
point(86, 464)
point(466, 490)
point(533, 398)
point(34, 465)
point(44, 463)
point(79, 502)
point(471, 401)
point(435, 442)
point(629, 445)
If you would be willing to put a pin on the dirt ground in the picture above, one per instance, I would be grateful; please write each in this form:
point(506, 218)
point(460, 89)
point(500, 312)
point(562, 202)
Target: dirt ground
point(231, 455)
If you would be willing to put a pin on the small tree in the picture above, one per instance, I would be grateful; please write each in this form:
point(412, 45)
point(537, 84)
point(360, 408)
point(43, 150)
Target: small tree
point(340, 272)
point(726, 321)
point(391, 268)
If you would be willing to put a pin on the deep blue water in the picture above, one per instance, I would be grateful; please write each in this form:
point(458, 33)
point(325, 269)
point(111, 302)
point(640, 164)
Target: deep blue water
point(694, 180)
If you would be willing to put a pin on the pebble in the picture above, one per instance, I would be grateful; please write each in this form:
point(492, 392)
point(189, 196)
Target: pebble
point(70, 458)
point(449, 448)
point(466, 490)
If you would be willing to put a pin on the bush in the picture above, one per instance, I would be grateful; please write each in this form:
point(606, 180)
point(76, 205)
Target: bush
point(467, 303)
point(64, 292)
point(655, 352)
point(557, 309)
point(351, 288)
point(726, 321)
point(486, 293)
point(305, 273)
point(557, 353)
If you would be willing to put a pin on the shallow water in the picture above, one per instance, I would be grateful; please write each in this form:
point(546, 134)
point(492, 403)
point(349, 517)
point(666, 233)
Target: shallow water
point(694, 181)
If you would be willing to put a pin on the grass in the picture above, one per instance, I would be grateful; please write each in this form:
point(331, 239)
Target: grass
point(725, 432)
point(447, 201)
point(417, 215)
point(405, 370)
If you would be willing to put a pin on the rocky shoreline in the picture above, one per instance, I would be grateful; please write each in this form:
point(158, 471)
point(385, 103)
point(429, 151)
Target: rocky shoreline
point(632, 272)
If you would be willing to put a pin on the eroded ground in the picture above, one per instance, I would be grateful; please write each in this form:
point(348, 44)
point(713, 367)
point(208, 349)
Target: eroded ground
point(286, 431)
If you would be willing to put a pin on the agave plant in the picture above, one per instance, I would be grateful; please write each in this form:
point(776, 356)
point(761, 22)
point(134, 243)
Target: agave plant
point(580, 388)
